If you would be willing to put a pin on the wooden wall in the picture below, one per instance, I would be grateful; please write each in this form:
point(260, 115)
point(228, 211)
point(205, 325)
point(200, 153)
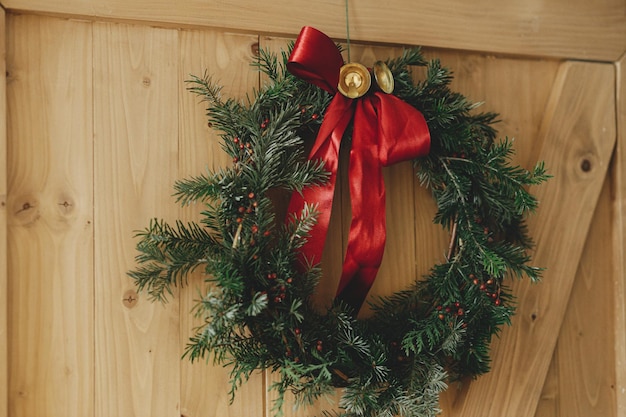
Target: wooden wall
point(99, 125)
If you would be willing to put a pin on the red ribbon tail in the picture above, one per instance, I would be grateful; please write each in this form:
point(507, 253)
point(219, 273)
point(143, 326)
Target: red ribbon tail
point(326, 148)
point(366, 239)
point(386, 130)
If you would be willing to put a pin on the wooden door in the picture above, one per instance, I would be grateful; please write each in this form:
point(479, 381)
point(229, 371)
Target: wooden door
point(99, 127)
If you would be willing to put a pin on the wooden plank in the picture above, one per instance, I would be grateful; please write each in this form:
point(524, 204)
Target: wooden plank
point(4, 340)
point(582, 373)
point(619, 239)
point(136, 82)
point(50, 212)
point(578, 136)
point(560, 28)
point(227, 58)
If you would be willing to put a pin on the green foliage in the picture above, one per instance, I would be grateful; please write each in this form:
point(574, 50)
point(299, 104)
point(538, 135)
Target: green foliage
point(256, 312)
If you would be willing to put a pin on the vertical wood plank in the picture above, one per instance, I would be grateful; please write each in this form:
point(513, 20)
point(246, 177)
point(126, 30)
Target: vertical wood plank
point(619, 239)
point(227, 58)
point(579, 134)
point(4, 339)
point(50, 211)
point(136, 83)
point(581, 380)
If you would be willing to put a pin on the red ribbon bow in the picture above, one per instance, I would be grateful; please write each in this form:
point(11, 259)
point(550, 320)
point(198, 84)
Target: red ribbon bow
point(386, 130)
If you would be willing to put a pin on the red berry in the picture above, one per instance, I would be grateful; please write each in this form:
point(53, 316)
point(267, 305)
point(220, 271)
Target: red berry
point(498, 302)
point(297, 331)
point(236, 140)
point(251, 195)
point(441, 317)
point(475, 281)
point(315, 116)
point(254, 228)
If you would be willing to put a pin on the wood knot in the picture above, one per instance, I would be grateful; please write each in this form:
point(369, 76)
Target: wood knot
point(146, 81)
point(254, 48)
point(26, 211)
point(130, 298)
point(585, 165)
point(66, 206)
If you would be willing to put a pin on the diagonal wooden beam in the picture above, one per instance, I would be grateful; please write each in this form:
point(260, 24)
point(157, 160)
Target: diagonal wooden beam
point(578, 137)
point(619, 239)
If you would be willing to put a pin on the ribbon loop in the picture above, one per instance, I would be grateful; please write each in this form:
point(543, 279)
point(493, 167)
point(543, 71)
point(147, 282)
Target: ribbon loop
point(387, 130)
point(316, 59)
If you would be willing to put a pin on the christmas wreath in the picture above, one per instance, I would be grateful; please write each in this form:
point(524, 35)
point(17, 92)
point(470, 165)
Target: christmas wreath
point(263, 268)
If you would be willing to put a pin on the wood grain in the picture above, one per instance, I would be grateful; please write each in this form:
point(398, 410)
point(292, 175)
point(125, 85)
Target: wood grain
point(619, 239)
point(50, 216)
point(4, 338)
point(578, 135)
point(581, 377)
point(559, 28)
point(136, 91)
point(227, 58)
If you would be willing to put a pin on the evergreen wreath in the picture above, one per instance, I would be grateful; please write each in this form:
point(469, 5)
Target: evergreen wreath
point(257, 311)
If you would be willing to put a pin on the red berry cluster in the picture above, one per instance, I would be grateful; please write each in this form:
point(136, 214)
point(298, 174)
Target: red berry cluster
point(244, 149)
point(278, 288)
point(490, 287)
point(454, 310)
point(303, 110)
point(248, 208)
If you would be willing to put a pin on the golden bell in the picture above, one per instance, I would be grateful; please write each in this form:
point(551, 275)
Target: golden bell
point(354, 80)
point(384, 77)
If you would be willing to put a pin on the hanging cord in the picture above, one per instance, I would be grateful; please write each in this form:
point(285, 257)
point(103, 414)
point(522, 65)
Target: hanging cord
point(348, 31)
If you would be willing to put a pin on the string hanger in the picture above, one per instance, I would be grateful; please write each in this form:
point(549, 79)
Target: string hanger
point(348, 30)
